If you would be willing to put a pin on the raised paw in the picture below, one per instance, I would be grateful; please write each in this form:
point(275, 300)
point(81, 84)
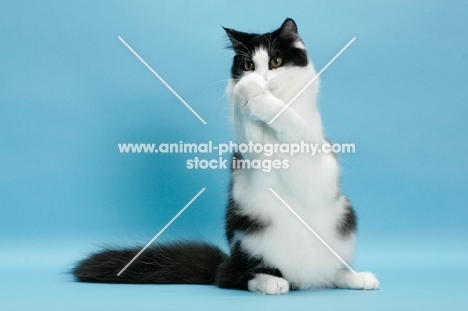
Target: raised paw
point(361, 280)
point(263, 107)
point(248, 87)
point(268, 284)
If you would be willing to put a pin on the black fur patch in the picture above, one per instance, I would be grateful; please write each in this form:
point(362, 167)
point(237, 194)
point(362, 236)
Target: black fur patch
point(174, 263)
point(278, 43)
point(239, 268)
point(235, 157)
point(348, 224)
point(235, 219)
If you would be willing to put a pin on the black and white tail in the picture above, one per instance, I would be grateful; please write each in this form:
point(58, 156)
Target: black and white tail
point(173, 263)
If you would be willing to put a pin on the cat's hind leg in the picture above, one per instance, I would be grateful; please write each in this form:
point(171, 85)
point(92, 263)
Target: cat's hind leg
point(243, 271)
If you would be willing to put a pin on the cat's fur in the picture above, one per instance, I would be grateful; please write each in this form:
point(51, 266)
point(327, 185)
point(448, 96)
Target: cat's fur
point(271, 252)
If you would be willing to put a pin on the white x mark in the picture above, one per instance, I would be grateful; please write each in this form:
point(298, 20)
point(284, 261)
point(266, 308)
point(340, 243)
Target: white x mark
point(162, 80)
point(313, 231)
point(161, 231)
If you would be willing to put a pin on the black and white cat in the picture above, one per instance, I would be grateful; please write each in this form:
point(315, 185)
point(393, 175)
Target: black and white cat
point(271, 252)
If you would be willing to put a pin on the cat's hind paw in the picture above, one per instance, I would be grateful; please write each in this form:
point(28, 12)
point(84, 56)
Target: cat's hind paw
point(268, 284)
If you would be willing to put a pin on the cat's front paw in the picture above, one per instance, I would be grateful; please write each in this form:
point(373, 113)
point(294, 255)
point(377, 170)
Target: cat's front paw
point(263, 107)
point(251, 86)
point(268, 284)
point(360, 280)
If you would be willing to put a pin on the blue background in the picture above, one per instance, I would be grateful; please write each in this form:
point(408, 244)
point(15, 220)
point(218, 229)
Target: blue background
point(70, 91)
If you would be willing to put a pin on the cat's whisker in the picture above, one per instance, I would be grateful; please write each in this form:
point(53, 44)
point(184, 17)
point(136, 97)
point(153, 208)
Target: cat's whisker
point(247, 49)
point(216, 82)
point(240, 52)
point(216, 105)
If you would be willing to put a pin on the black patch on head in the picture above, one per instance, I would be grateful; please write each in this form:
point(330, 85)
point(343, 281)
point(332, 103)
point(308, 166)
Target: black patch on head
point(278, 43)
point(348, 223)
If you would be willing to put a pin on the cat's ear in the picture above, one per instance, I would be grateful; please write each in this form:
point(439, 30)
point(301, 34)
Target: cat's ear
point(234, 37)
point(288, 30)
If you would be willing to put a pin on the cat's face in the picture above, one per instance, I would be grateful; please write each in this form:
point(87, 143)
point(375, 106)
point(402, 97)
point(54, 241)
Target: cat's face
point(277, 56)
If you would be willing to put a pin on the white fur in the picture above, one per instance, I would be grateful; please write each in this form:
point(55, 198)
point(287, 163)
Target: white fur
point(268, 284)
point(309, 185)
point(298, 44)
point(361, 280)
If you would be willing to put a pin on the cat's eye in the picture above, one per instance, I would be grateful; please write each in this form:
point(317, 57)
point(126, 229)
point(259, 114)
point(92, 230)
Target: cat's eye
point(275, 62)
point(248, 65)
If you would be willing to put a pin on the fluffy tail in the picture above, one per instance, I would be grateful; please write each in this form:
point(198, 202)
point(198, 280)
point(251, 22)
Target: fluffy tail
point(174, 263)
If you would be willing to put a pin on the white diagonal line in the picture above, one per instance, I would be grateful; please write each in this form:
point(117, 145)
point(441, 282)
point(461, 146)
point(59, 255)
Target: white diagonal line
point(160, 232)
point(313, 79)
point(162, 80)
point(313, 231)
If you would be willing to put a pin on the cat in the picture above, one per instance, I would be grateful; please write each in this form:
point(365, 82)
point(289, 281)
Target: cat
point(271, 252)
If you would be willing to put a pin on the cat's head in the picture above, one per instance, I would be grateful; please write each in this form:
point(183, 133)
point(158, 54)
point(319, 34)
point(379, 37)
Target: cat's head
point(278, 56)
